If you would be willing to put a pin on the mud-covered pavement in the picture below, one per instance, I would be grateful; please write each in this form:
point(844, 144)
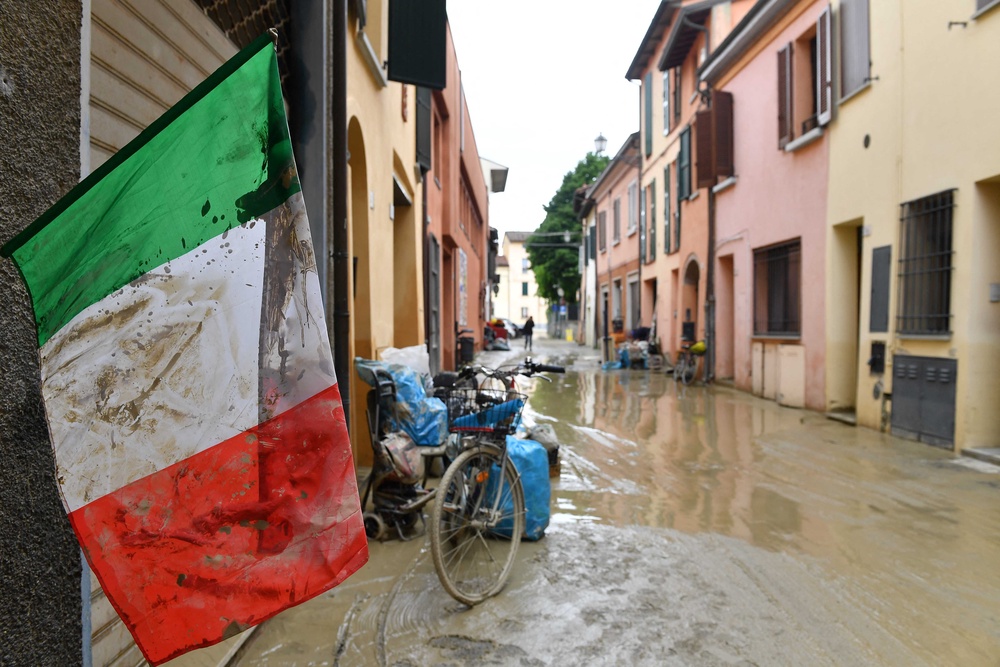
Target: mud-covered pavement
point(694, 527)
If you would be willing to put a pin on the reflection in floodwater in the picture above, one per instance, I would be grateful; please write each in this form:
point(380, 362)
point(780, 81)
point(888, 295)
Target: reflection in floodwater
point(914, 531)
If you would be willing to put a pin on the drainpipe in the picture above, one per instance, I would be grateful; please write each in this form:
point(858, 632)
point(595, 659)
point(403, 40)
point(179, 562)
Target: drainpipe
point(710, 292)
point(341, 254)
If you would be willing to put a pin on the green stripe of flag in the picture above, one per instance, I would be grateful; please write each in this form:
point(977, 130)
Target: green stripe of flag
point(219, 157)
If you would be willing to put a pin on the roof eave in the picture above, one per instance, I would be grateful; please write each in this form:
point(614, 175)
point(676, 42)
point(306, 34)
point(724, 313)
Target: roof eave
point(647, 47)
point(761, 17)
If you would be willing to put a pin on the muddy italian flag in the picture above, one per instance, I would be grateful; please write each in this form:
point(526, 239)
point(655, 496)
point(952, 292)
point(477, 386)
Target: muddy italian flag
point(198, 432)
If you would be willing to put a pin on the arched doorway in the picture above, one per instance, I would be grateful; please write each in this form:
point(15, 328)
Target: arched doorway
point(689, 300)
point(359, 294)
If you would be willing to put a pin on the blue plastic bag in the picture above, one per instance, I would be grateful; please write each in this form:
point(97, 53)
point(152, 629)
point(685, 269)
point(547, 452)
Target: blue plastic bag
point(532, 464)
point(423, 418)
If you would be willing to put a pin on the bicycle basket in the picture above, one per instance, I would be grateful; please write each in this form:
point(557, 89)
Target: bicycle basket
point(484, 410)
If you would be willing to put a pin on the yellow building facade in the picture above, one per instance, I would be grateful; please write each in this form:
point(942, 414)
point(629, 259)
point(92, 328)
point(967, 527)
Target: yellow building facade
point(913, 285)
point(384, 206)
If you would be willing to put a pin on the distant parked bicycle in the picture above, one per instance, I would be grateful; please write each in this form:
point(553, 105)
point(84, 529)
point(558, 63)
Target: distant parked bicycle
point(687, 361)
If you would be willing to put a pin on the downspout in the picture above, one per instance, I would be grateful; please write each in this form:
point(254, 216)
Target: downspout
point(341, 254)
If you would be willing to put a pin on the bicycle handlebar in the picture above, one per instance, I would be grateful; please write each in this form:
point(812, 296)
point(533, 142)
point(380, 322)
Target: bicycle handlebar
point(547, 368)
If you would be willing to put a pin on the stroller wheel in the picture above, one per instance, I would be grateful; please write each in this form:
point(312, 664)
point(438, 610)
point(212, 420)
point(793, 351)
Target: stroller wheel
point(374, 526)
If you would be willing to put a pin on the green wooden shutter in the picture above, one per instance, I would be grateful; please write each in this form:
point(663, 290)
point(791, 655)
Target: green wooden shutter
point(684, 166)
point(652, 220)
point(666, 210)
point(642, 224)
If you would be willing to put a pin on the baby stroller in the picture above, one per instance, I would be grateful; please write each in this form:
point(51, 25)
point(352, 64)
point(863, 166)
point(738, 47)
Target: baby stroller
point(395, 483)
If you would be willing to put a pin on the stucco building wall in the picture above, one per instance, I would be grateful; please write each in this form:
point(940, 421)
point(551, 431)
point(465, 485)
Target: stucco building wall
point(40, 618)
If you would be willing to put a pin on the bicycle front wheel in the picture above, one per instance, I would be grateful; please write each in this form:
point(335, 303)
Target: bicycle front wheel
point(680, 367)
point(690, 368)
point(476, 524)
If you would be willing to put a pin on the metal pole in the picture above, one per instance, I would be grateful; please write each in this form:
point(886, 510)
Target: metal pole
point(341, 251)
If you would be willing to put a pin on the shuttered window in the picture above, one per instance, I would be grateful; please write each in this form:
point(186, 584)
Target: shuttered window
point(602, 229)
point(722, 109)
point(424, 128)
point(777, 293)
point(824, 67)
point(617, 233)
point(642, 224)
point(785, 117)
point(677, 95)
point(704, 149)
point(666, 210)
point(677, 227)
point(666, 102)
point(684, 166)
point(855, 54)
point(651, 198)
point(647, 111)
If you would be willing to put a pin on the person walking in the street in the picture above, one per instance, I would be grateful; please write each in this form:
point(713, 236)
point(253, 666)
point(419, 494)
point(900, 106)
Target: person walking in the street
point(528, 327)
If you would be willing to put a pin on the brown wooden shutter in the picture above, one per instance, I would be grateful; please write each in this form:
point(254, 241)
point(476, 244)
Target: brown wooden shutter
point(704, 149)
point(722, 116)
point(824, 65)
point(785, 132)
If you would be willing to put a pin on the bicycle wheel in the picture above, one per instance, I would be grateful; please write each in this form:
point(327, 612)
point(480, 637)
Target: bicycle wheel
point(472, 543)
point(680, 366)
point(690, 368)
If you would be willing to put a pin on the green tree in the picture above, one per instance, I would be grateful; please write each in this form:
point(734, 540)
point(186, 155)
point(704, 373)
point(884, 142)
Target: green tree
point(554, 266)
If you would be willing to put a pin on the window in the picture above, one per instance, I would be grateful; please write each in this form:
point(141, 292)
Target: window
point(592, 242)
point(666, 210)
point(602, 229)
point(805, 97)
point(633, 207)
point(677, 95)
point(651, 198)
point(525, 265)
point(524, 313)
point(642, 226)
point(684, 166)
point(617, 231)
point(666, 102)
point(647, 111)
point(925, 264)
point(855, 53)
point(524, 289)
point(776, 294)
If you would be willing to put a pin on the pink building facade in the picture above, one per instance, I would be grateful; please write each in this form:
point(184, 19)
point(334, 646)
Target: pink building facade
point(770, 217)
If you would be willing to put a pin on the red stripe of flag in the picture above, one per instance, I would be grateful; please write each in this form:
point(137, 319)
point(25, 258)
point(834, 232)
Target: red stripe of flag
point(199, 551)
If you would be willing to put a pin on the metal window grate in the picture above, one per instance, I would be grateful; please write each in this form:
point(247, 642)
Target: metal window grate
point(925, 265)
point(243, 21)
point(777, 290)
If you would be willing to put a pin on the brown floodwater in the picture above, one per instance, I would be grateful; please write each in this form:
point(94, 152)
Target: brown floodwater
point(695, 526)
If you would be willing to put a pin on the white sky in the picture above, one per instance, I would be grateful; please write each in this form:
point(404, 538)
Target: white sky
point(543, 79)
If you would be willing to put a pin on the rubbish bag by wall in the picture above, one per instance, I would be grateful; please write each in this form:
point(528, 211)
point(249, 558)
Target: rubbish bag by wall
point(532, 463)
point(423, 418)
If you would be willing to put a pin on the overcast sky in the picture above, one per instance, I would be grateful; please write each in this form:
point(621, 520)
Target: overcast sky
point(542, 79)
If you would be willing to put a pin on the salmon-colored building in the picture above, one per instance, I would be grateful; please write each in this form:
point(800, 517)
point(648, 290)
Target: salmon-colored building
point(458, 240)
point(674, 218)
point(613, 201)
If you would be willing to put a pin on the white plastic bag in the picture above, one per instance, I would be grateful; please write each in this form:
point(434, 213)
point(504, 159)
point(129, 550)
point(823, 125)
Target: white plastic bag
point(415, 357)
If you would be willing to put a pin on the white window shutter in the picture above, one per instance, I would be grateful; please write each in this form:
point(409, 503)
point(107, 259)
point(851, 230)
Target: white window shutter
point(824, 66)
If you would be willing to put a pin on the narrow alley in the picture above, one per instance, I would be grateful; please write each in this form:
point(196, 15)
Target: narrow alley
point(694, 526)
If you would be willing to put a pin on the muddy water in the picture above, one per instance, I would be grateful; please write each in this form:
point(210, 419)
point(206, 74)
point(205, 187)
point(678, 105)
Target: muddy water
point(696, 527)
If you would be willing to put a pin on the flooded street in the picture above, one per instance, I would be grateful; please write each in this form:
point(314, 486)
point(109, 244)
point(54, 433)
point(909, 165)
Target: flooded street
point(694, 526)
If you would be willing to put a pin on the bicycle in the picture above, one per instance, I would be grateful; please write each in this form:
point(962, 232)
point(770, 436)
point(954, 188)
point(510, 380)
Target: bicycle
point(478, 514)
point(687, 361)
